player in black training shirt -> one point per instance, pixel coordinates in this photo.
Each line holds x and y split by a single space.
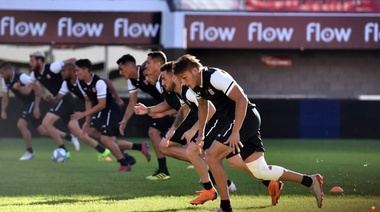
99 100
136 79
48 75
71 84
242 133
30 94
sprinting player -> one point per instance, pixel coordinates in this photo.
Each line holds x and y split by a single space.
99 100
30 95
137 80
242 133
71 84
49 76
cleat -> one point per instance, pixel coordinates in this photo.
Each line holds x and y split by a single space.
126 168
75 142
27 156
145 150
232 187
221 210
191 166
204 196
274 189
130 159
316 188
68 154
104 155
158 176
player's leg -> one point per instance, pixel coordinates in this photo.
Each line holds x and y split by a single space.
22 125
143 147
173 149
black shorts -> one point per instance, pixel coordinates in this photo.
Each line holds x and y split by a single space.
162 124
65 108
27 115
249 133
108 120
188 123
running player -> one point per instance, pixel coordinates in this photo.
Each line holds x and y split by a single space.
242 133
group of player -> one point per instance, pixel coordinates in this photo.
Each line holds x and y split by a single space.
202 116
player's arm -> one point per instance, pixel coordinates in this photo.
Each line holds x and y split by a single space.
181 116
4 103
241 103
37 100
112 89
62 92
56 67
202 117
25 84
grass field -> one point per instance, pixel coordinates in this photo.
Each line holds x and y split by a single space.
84 184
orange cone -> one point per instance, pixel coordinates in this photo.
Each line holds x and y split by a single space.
336 189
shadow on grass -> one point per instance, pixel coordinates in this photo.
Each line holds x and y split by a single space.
57 202
190 208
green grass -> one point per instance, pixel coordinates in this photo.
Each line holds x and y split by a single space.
84 184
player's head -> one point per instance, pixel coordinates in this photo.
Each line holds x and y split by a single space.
36 60
186 68
167 75
6 70
126 65
154 62
83 68
68 71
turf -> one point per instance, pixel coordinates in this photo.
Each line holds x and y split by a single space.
84 184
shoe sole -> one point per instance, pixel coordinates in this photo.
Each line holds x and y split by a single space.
147 153
274 192
201 203
319 179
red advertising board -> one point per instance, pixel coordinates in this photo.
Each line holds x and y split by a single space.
283 32
112 28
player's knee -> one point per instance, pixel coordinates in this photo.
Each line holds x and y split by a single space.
163 147
260 170
21 124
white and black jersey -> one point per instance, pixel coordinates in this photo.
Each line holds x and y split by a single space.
23 79
216 86
187 96
67 87
96 89
50 77
140 83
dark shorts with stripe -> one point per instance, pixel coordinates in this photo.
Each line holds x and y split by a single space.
249 133
162 124
188 123
107 120
65 108
27 115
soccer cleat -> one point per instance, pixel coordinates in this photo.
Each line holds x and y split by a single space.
68 154
316 188
159 176
145 150
274 189
27 156
126 168
204 196
104 155
130 159
221 210
75 142
232 187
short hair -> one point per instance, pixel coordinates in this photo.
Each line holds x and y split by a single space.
84 63
6 66
158 55
186 63
69 65
126 59
168 67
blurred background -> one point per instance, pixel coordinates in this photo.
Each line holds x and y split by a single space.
311 66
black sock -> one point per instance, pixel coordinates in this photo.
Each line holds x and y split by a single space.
162 165
68 136
207 186
100 148
63 147
228 182
226 205
211 177
307 181
136 146
265 182
123 162
30 149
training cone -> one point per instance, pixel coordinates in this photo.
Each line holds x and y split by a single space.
107 159
336 189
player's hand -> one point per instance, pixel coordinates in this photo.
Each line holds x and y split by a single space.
17 86
36 112
122 125
199 141
234 142
48 98
3 115
77 116
140 109
120 102
169 136
188 135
